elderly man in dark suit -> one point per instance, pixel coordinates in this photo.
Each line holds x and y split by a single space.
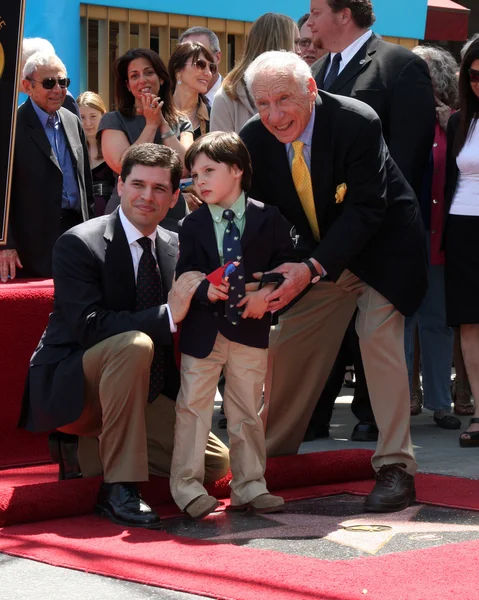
396 84
104 368
322 160
51 180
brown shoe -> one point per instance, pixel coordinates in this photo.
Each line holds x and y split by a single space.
264 503
393 491
202 506
416 403
463 405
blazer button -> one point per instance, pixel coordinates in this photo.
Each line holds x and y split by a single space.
215 314
434 201
433 231
434 145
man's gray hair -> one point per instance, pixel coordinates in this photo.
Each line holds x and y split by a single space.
278 62
41 59
31 46
466 46
211 35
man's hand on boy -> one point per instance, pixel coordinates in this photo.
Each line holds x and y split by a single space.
181 293
255 303
219 292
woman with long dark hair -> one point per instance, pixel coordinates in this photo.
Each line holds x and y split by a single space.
145 111
191 67
461 240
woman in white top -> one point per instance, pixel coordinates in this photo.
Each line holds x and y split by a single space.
233 105
461 240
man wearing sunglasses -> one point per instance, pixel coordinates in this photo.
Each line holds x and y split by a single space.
51 180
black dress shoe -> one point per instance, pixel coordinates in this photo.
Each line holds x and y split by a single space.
447 421
365 432
394 490
314 433
63 449
123 504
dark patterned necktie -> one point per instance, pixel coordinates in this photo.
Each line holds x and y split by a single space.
149 293
333 72
232 251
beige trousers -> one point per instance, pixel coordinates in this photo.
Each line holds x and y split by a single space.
244 368
302 351
121 435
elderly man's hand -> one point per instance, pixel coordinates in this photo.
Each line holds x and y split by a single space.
181 293
297 277
9 262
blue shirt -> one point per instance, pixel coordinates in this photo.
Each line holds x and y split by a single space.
307 138
53 128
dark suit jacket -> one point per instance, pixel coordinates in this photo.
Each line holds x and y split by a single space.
95 294
395 82
36 194
452 171
266 244
377 231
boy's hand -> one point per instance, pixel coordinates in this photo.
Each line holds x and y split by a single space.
255 303
219 292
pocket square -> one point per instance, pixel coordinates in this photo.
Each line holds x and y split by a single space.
340 192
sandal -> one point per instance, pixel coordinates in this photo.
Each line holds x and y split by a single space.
473 440
416 403
461 396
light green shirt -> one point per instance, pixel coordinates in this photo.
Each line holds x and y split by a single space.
220 224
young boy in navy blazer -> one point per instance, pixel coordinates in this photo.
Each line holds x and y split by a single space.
226 327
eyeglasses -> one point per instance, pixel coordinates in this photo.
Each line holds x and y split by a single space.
200 65
305 42
474 76
50 82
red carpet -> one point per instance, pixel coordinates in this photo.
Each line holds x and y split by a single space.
226 571
24 309
34 494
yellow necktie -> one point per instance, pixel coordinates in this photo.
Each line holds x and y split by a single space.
304 187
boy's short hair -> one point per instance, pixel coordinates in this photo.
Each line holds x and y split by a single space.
222 147
153 155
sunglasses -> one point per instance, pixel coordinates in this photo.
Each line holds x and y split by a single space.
50 82
200 65
474 75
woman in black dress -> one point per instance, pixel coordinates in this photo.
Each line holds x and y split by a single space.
461 240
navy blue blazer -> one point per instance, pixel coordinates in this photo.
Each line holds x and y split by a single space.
266 244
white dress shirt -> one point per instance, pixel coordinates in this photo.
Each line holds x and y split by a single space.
348 53
212 93
132 235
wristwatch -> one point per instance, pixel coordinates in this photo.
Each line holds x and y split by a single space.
315 276
168 134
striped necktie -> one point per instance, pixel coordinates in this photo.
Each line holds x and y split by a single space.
302 183
333 72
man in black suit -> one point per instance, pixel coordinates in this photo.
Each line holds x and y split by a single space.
322 160
104 368
396 84
52 186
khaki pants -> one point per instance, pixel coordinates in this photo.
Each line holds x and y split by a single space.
121 435
303 348
244 369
